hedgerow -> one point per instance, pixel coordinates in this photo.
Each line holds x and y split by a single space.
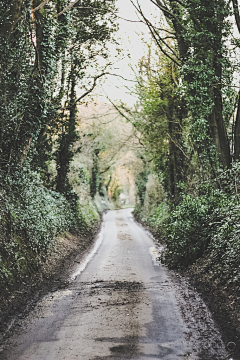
203 228
31 218
188 230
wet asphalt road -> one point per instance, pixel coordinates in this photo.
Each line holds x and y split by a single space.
121 304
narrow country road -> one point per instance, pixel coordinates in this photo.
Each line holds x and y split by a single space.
120 304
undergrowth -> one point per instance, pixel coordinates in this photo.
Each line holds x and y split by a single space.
204 227
31 216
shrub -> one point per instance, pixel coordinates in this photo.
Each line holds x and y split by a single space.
31 218
157 220
207 224
187 229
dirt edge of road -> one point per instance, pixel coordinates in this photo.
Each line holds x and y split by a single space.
68 251
223 304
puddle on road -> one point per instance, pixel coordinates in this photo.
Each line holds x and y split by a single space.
155 253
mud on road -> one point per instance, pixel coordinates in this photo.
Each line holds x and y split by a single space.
119 303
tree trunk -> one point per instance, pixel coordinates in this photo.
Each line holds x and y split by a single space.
216 122
37 17
68 137
237 133
94 185
182 47
224 151
172 155
221 138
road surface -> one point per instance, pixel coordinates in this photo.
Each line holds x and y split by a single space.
120 304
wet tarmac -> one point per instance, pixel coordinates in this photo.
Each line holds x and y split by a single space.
121 303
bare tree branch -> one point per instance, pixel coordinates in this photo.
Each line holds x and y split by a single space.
93 86
160 46
125 117
70 6
112 157
164 42
91 7
178 147
156 36
88 91
40 6
122 77
165 10
67 8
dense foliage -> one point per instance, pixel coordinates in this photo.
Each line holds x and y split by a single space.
188 116
47 50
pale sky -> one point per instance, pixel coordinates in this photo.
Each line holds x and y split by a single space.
129 34
133 48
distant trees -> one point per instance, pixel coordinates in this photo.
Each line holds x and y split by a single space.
109 149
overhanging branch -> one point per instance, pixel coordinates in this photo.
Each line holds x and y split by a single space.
70 6
40 6
156 36
86 92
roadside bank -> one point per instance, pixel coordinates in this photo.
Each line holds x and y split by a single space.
52 275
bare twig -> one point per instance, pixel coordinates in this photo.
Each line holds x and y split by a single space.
122 77
120 17
178 147
70 6
156 36
40 6
86 92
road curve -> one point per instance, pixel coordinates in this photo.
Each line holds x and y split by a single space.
121 304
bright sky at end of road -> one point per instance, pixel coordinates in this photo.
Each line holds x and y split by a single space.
130 36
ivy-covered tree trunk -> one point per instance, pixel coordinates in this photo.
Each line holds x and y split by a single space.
66 141
141 185
237 132
219 132
221 137
237 120
94 184
38 18
205 45
37 87
172 151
